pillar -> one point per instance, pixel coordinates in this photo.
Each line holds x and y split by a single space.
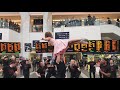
47 25
47 21
25 30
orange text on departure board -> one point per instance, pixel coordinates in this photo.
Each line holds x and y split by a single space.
16 47
98 46
38 46
3 47
77 47
91 45
107 45
44 45
10 47
114 45
84 47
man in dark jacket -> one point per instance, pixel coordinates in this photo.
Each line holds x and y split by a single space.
26 69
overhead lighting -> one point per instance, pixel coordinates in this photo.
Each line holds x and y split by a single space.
58 20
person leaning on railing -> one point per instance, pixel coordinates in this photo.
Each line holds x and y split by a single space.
118 23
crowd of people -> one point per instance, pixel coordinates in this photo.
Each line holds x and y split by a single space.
118 23
5 23
108 68
90 20
12 67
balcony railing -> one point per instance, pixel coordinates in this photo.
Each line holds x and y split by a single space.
12 26
85 22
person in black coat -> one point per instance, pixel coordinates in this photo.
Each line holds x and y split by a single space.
41 70
61 68
26 69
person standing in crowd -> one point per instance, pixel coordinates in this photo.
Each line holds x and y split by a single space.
26 69
41 70
0 61
80 21
1 23
10 71
105 70
114 69
6 23
37 62
74 69
109 21
81 64
21 67
34 62
60 46
50 69
5 61
92 70
118 22
89 19
85 64
61 68
85 22
10 24
101 67
93 20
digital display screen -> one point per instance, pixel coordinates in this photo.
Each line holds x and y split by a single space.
91 46
62 35
44 46
50 48
99 46
76 47
94 46
34 42
10 47
38 47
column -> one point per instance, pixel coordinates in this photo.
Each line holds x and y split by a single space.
47 21
25 30
47 25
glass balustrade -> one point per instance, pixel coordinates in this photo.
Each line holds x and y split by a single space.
85 22
4 23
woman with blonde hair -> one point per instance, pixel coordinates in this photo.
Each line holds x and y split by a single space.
74 69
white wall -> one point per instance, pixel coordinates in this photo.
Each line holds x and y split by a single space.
110 29
14 36
36 36
5 35
88 32
9 35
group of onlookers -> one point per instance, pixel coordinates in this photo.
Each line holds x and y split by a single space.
12 67
5 23
90 20
107 68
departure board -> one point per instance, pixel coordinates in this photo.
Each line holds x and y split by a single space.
93 46
10 47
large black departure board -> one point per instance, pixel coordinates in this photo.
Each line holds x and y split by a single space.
94 46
